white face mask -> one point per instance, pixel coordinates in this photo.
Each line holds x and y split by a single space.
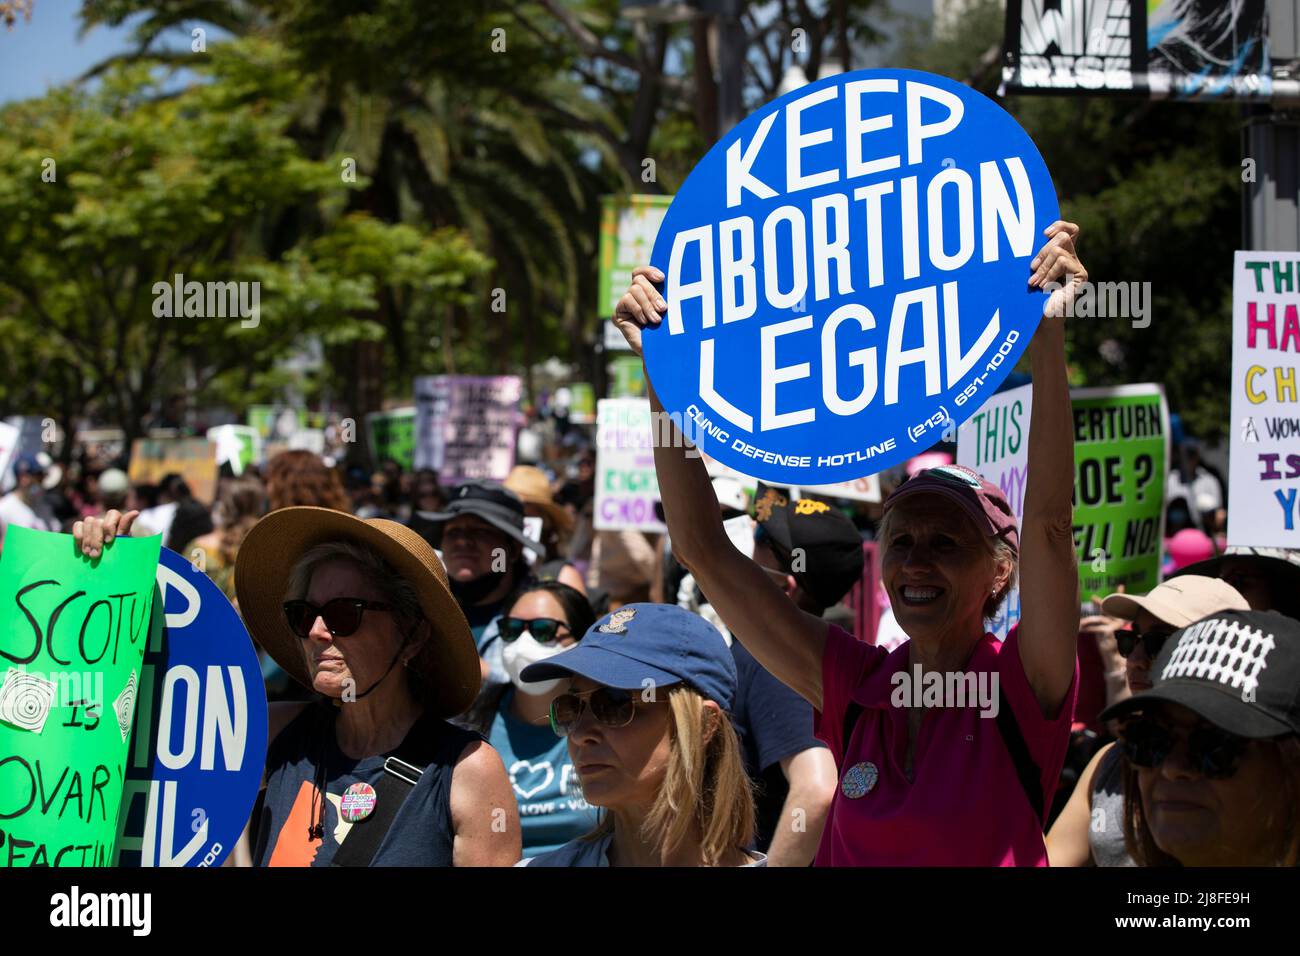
523 651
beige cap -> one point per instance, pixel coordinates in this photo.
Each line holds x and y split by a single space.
1178 601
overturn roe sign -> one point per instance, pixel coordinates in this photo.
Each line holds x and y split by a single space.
847 275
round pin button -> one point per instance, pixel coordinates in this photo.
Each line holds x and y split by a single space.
358 802
859 779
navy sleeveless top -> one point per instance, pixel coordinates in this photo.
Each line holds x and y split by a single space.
421 833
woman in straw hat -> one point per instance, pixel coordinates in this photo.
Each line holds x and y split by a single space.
371 773
534 490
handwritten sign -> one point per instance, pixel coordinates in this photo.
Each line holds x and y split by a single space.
1121 450
846 275
199 745
392 436
627 488
995 443
466 425
72 642
194 459
1264 468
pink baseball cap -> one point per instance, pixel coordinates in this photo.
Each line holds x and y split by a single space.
979 498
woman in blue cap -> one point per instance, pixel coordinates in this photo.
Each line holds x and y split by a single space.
645 714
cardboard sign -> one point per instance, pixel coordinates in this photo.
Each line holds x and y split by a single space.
627 488
1121 450
72 641
392 435
466 425
194 459
1264 467
199 745
628 226
846 275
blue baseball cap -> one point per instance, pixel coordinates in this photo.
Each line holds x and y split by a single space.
658 642
28 464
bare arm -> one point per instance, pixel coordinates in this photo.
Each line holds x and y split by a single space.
1067 841
1049 576
785 640
484 814
812 778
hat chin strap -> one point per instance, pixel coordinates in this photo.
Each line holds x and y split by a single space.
384 676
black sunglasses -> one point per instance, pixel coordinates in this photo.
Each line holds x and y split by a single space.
610 706
543 629
1213 751
1127 639
342 615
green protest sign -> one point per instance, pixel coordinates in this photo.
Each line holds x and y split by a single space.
392 435
1121 450
627 376
72 639
628 227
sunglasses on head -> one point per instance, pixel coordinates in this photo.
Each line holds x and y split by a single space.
1147 742
1127 639
342 615
543 629
610 706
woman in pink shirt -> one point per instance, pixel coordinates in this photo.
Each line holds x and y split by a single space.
950 747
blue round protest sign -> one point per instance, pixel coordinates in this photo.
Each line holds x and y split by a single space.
847 275
199 742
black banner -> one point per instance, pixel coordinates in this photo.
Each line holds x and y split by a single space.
1176 49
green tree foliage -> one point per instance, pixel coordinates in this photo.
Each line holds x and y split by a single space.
105 194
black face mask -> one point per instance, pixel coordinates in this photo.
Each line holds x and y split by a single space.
469 593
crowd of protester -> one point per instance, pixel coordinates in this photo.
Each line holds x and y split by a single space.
560 695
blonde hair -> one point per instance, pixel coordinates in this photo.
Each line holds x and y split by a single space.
996 547
705 785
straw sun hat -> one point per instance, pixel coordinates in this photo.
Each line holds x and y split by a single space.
533 488
447 665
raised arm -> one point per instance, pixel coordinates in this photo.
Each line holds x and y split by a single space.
1049 579
784 639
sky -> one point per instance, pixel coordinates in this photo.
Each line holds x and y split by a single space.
46 52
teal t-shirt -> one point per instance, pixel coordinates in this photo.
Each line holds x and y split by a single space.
552 810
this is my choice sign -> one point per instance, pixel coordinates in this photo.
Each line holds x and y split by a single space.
846 274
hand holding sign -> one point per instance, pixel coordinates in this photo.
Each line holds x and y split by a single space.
640 305
1055 261
844 275
94 534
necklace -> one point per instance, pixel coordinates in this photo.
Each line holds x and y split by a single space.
316 824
